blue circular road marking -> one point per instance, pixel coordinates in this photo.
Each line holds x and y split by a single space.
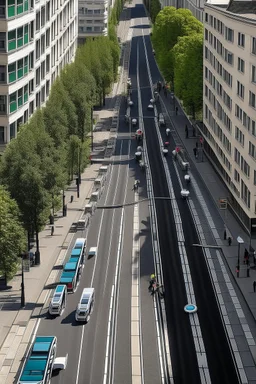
190 308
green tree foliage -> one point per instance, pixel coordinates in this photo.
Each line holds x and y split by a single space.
12 235
155 8
170 24
188 69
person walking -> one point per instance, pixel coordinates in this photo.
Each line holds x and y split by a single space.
229 240
254 286
195 152
186 131
176 110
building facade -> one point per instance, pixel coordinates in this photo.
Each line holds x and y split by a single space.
92 18
195 6
230 100
37 39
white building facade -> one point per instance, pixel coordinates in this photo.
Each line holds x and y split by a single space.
37 38
195 6
230 101
92 19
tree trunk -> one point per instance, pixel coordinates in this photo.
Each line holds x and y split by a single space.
37 253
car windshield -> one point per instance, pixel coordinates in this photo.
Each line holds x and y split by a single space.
85 300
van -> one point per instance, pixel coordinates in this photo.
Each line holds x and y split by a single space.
58 301
161 120
85 306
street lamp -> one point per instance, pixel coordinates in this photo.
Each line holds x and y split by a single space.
63 203
22 297
240 241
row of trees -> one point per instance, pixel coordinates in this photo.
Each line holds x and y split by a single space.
178 42
54 144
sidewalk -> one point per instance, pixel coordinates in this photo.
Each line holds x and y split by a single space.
217 190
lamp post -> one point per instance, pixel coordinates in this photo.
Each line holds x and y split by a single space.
63 203
22 297
240 241
92 128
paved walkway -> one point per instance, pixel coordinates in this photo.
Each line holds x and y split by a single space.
217 190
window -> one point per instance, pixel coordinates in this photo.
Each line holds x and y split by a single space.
12 131
252 100
228 57
236 176
254 45
252 150
254 178
241 39
237 156
253 74
37 77
206 34
2 73
37 49
11 40
12 102
206 17
229 34
240 65
239 136
2 105
20 98
239 113
240 90
245 167
2 135
20 68
245 194
37 21
11 72
19 37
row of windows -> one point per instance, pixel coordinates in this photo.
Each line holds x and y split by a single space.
17 38
82 21
217 45
229 33
227 77
87 11
17 7
91 29
244 166
225 97
218 132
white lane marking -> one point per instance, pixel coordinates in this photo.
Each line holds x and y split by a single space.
161 326
136 342
194 320
80 355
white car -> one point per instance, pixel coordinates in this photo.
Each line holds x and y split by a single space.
150 107
60 363
134 122
130 103
92 252
85 305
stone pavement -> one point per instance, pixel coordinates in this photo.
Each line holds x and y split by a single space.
224 218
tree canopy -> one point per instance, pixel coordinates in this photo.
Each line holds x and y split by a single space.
12 235
178 42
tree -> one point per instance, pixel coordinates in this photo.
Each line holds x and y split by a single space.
12 235
170 24
155 8
188 79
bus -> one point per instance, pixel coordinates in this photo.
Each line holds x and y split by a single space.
39 362
72 269
58 301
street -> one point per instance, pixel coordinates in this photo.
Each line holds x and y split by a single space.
133 337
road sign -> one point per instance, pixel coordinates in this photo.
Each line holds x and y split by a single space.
223 203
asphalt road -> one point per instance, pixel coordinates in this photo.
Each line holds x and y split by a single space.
220 361
86 344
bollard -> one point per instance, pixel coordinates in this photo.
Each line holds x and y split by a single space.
248 271
225 234
71 199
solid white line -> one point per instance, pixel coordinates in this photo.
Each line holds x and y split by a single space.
80 355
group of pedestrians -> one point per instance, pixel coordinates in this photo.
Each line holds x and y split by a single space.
161 86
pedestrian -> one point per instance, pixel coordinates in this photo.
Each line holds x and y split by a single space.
225 234
195 152
186 131
229 240
194 131
151 283
52 230
176 110
254 286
